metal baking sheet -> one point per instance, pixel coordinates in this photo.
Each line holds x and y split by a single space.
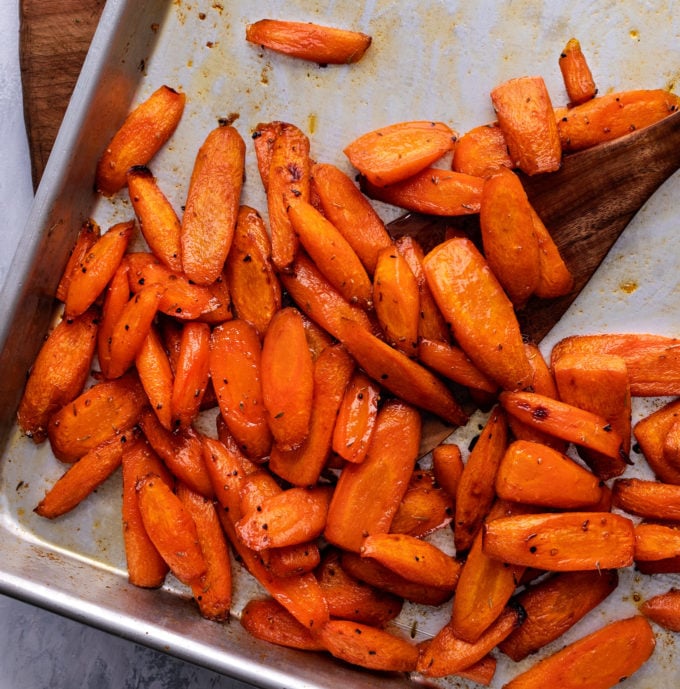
434 60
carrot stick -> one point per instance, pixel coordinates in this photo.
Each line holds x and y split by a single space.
648 499
447 465
655 542
89 233
664 609
577 77
481 151
651 432
156 376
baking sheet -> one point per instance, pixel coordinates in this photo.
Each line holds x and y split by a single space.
429 60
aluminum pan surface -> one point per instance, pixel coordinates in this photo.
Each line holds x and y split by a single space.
429 60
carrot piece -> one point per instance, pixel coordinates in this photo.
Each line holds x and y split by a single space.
447 465
596 661
302 466
264 137
157 218
58 373
227 469
83 477
577 77
536 474
103 411
400 375
424 508
656 542
268 620
434 191
146 567
651 432
481 151
481 672
671 446
648 499
554 277
446 654
287 379
368 647
527 120
293 559
257 486
664 609
143 133
508 236
253 285
553 606
348 209
396 300
181 451
350 599
236 373
374 574
97 268
413 559
131 328
652 361
156 377
562 542
317 338
309 41
613 115
397 151
475 493
565 421
89 233
289 177
115 300
213 591
384 473
356 418
461 281
332 253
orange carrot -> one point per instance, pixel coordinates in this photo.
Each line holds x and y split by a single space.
577 77
651 432
655 542
447 465
664 609
89 233
155 374
648 499
481 151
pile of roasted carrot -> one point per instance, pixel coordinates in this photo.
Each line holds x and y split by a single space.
321 341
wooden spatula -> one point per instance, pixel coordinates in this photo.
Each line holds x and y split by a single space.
586 205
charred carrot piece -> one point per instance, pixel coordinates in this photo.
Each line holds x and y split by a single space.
83 477
595 661
562 542
58 373
348 209
145 566
554 277
651 433
508 237
213 591
400 150
434 191
613 115
103 411
565 421
446 654
576 74
655 542
96 269
649 499
527 120
385 472
461 280
143 133
264 137
447 465
476 486
350 599
253 285
287 379
303 466
309 41
157 218
89 233
481 151
181 451
664 609
332 253
553 606
156 376
536 474
236 373
268 620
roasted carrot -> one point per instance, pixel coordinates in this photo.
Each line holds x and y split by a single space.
553 606
481 151
461 281
264 137
671 446
651 432
655 542
58 373
83 477
157 218
562 542
447 465
226 468
596 661
143 133
309 41
577 77
664 609
156 377
398 151
527 120
89 233
554 276
648 499
293 560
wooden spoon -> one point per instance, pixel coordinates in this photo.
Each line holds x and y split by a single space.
586 205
